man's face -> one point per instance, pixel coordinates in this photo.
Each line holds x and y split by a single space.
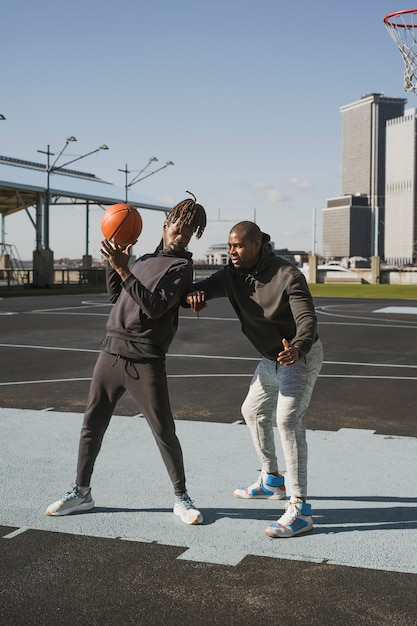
244 253
175 237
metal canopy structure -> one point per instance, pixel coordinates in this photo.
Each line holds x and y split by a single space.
24 184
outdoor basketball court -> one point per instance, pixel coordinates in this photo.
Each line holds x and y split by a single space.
362 435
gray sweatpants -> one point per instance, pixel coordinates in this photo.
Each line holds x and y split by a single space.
147 384
283 393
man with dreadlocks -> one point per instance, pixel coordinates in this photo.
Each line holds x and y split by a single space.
141 326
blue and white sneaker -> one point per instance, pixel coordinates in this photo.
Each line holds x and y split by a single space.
297 519
267 487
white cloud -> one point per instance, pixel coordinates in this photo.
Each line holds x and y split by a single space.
299 185
271 194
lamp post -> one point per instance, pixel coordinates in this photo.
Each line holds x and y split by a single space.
138 177
53 168
3 234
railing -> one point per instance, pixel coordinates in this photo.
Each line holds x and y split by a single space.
11 278
72 277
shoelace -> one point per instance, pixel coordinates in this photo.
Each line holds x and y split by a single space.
290 514
70 495
185 501
258 483
73 494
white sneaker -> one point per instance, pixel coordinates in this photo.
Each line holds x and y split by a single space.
185 509
297 519
71 502
268 487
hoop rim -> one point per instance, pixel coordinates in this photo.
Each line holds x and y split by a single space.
397 14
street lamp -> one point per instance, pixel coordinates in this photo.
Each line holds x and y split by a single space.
53 168
137 178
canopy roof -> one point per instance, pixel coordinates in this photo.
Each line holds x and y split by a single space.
22 183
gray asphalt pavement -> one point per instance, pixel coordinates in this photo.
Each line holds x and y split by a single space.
131 561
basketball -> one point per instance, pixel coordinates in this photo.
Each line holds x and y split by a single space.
121 224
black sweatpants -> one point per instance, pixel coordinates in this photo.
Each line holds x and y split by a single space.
147 384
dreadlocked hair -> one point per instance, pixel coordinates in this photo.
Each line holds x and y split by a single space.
189 213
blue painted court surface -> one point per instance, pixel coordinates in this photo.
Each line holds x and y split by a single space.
364 517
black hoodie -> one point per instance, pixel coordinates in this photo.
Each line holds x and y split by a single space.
146 304
272 302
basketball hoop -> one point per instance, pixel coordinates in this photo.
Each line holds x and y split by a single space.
402 26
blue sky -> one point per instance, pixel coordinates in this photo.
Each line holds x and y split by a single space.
244 97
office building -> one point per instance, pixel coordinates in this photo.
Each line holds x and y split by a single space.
363 176
401 190
347 227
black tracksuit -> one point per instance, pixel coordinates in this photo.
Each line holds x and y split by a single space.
139 331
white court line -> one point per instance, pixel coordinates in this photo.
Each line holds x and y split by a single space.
320 376
80 313
205 376
368 377
325 311
47 380
29 347
72 380
394 323
15 533
207 356
70 308
402 310
390 365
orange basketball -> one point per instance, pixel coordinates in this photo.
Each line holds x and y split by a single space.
121 223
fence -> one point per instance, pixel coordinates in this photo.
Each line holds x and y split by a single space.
96 277
77 277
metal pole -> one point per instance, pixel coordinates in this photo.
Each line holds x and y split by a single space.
376 231
3 233
87 226
313 248
126 172
47 199
46 207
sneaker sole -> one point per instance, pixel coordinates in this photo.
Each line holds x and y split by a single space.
260 497
87 506
282 536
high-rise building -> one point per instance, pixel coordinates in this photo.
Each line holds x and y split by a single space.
363 176
347 227
401 189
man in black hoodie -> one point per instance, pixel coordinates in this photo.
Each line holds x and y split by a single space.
272 300
141 326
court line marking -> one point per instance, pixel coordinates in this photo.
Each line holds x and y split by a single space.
208 356
65 311
15 533
393 325
325 311
400 310
72 380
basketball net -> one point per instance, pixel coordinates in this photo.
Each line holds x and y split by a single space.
402 27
